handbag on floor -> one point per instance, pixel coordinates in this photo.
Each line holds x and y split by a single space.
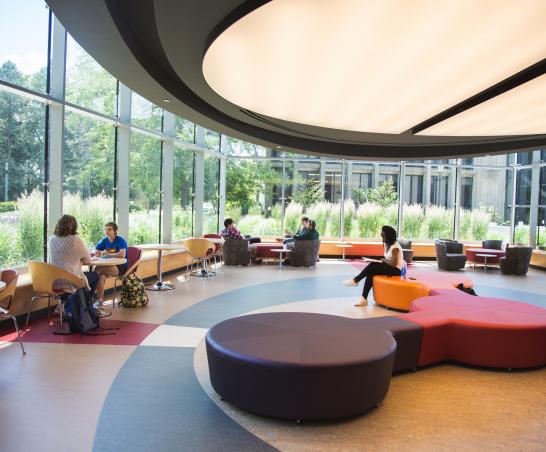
133 292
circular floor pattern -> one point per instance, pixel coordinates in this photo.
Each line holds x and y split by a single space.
157 401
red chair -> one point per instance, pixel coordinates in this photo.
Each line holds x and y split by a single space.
9 277
133 259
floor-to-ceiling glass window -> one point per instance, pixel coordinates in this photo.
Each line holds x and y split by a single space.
541 226
185 130
22 126
212 140
89 168
144 194
211 195
523 206
483 214
183 194
87 83
251 201
145 114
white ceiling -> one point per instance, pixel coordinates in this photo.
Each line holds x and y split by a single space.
382 66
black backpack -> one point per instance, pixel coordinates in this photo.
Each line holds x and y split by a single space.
81 315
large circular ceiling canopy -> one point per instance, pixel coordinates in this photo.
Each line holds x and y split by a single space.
358 79
374 66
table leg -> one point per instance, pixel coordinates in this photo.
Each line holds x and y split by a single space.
280 260
343 253
160 285
485 264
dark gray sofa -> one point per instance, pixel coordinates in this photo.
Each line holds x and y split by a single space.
449 254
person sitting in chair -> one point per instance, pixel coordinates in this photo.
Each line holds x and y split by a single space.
290 237
111 245
309 233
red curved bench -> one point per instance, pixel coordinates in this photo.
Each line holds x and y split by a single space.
481 331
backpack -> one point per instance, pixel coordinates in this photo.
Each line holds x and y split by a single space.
80 312
133 293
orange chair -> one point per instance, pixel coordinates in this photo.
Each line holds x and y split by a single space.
43 276
9 277
201 249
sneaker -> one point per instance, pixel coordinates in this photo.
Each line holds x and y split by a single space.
98 304
363 302
349 282
100 312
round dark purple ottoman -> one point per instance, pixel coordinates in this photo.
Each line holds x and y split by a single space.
302 366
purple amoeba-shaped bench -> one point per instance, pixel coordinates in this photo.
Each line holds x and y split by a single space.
304 366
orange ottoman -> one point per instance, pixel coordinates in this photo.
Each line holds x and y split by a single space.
397 293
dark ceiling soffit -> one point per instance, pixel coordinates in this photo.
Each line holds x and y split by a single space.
521 77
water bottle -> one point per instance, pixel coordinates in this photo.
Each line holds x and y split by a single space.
403 270
91 249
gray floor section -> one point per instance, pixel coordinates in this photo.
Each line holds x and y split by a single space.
511 294
157 404
231 304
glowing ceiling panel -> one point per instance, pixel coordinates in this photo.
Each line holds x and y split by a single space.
372 66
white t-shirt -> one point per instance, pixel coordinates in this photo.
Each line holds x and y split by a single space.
68 253
389 257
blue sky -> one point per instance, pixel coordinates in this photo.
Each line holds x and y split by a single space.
23 29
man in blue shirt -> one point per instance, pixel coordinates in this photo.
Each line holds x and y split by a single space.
111 245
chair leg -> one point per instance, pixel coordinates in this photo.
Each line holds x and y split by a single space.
30 303
115 288
48 308
18 333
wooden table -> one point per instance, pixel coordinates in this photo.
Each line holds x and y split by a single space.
160 247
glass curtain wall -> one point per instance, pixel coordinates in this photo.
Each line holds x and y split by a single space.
144 194
22 133
183 188
211 195
89 168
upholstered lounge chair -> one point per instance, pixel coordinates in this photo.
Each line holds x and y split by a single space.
449 255
236 252
492 244
305 253
516 261
406 249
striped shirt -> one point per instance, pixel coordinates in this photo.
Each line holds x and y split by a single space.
68 253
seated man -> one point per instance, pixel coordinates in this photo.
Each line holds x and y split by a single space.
310 233
112 245
230 232
289 237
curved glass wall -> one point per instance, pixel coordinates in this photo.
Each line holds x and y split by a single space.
111 145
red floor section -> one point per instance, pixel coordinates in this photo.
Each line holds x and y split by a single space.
129 333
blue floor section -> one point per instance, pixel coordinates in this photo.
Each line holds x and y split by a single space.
157 404
231 304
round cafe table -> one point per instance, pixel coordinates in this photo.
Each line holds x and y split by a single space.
493 256
281 251
160 247
107 261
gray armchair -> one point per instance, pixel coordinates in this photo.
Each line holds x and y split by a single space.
305 253
406 250
236 252
492 244
449 255
516 261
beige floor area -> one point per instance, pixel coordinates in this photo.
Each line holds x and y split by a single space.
445 407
